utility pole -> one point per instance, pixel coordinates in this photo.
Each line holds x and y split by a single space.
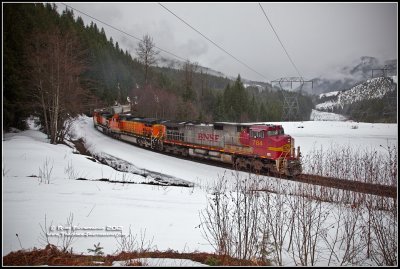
291 109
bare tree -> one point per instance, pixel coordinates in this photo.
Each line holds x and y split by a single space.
55 62
68 238
382 226
131 242
371 166
154 102
278 222
246 216
351 244
231 221
147 54
331 235
309 221
216 220
67 233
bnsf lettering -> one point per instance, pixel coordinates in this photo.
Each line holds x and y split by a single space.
208 137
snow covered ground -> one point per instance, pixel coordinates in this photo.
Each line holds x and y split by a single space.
159 262
326 116
326 134
167 217
328 94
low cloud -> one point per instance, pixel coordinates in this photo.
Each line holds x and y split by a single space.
193 48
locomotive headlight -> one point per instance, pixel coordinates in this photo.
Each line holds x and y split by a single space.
288 140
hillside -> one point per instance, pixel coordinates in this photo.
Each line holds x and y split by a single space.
103 74
345 77
374 99
326 116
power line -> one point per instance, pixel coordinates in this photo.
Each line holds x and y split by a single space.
170 53
290 59
212 41
115 28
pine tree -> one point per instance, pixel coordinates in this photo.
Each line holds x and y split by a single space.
219 111
253 109
263 113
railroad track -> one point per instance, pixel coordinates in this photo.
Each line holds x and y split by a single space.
338 183
344 184
351 185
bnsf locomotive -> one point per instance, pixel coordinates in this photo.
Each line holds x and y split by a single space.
257 147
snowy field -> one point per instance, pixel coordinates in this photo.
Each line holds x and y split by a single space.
166 217
326 134
326 116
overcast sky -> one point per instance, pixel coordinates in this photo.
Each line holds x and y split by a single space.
319 37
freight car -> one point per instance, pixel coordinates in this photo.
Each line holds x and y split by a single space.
256 147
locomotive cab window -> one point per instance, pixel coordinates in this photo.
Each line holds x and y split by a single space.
255 134
272 133
275 132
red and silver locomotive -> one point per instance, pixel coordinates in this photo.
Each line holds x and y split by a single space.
257 147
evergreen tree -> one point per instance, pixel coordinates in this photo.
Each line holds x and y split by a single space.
253 113
228 103
238 101
188 92
263 115
219 109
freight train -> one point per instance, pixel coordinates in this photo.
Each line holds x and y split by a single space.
254 147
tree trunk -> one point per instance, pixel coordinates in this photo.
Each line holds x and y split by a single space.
46 122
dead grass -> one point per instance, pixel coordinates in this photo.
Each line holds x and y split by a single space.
52 256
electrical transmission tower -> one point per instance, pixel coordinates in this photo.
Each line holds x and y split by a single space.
291 109
391 101
390 97
384 71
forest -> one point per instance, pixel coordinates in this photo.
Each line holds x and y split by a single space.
56 67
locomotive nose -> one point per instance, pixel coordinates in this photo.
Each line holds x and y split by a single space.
285 138
286 142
